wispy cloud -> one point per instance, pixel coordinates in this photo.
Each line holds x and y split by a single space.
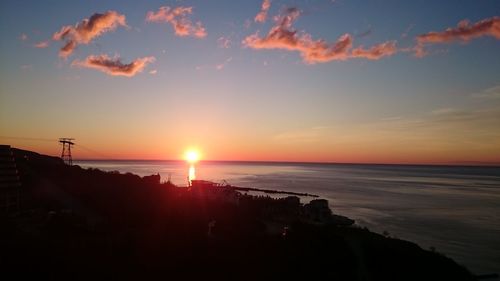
178 18
283 36
42 44
114 66
490 93
221 66
88 29
264 9
463 32
218 66
224 42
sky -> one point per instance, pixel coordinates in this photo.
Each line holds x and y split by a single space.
379 81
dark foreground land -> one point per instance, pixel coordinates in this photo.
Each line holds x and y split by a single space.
77 224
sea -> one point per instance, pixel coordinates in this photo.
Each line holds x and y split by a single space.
454 210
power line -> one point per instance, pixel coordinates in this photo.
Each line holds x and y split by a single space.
93 151
28 139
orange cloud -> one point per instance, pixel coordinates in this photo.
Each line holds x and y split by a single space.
262 15
42 44
376 52
283 36
85 31
114 66
178 18
465 31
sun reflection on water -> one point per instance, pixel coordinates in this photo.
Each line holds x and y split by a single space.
191 173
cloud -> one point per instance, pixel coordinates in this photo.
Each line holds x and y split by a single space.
114 66
452 114
42 44
462 116
178 18
283 36
23 37
218 66
464 32
88 29
491 93
222 65
153 72
224 42
262 15
376 52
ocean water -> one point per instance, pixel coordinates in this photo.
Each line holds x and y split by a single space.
454 209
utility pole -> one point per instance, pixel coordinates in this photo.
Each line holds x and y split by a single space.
66 150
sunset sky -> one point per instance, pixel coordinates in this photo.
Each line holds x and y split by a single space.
374 81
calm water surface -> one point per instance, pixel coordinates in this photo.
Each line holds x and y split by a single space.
454 209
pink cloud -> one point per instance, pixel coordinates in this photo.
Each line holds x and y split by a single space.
464 32
376 52
262 15
114 66
178 18
88 29
283 36
42 44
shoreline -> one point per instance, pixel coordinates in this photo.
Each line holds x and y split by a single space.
90 184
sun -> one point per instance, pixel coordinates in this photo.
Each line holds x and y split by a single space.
192 156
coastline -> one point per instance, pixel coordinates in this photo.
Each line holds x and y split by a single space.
359 251
448 209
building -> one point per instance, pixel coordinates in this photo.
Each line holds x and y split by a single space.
318 211
10 183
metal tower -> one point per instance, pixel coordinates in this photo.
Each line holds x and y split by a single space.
66 150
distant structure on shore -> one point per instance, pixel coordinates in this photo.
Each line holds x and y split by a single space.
66 150
10 183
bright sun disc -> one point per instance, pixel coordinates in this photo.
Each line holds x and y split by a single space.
192 156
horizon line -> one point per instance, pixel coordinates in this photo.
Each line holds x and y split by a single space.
455 163
469 163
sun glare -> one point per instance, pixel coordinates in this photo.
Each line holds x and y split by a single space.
192 156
